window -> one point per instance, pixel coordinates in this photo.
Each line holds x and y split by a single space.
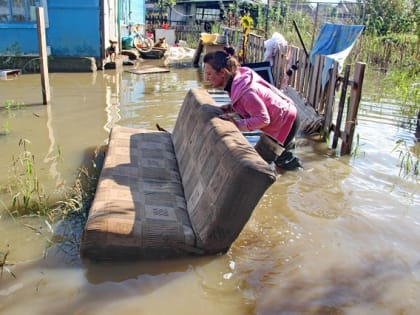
19 11
204 14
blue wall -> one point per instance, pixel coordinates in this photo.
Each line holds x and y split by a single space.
73 30
137 8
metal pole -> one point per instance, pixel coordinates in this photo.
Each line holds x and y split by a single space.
300 38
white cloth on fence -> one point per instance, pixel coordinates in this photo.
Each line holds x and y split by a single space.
272 45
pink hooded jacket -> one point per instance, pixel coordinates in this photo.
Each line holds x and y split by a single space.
261 106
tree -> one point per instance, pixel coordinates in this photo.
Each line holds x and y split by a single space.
163 6
388 16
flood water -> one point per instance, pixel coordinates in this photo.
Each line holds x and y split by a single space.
340 236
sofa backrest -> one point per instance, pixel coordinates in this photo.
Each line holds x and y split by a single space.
223 176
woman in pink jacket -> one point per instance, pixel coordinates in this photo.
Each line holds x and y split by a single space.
260 106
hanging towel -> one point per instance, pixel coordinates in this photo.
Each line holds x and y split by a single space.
335 41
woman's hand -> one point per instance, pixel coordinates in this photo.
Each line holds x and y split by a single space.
227 108
227 117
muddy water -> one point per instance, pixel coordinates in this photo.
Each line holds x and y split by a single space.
339 237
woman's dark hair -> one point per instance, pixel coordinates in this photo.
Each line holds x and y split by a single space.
222 59
229 50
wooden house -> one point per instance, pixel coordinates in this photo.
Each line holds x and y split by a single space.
77 31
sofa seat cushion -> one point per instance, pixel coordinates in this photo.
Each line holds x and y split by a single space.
139 207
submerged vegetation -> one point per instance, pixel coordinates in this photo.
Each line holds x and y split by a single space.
409 158
63 219
28 195
404 84
4 265
9 106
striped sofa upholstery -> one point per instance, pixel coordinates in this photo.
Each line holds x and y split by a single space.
164 194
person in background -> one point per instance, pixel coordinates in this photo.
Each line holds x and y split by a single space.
258 106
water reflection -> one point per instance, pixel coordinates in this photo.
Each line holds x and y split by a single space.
339 237
112 99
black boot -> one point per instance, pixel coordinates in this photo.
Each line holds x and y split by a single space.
288 161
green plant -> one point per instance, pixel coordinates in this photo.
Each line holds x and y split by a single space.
10 106
409 159
28 195
191 39
3 264
403 84
72 212
356 151
6 127
64 219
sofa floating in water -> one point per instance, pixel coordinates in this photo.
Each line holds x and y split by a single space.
164 194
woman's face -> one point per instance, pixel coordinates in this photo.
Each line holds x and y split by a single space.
217 79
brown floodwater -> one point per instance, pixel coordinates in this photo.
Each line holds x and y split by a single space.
340 236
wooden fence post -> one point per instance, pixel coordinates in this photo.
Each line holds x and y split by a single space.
43 61
301 71
341 104
355 96
330 102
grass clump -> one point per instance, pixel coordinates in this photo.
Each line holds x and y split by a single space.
64 219
9 106
4 265
28 195
72 211
409 159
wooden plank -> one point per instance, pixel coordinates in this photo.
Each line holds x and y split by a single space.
301 70
330 102
148 70
276 68
293 57
355 96
341 106
282 76
317 103
197 54
313 81
307 80
43 61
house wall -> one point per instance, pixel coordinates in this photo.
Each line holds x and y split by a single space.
72 30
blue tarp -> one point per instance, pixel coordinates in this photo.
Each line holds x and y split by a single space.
335 41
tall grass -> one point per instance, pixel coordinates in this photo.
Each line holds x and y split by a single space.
28 195
409 159
64 219
404 84
393 50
